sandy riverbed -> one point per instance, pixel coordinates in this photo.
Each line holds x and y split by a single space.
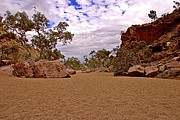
89 96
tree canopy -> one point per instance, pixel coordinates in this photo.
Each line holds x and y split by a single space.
45 39
152 15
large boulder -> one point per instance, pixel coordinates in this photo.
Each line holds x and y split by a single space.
22 69
170 73
136 70
50 69
151 71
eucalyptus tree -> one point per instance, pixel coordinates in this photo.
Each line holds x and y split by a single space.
18 23
46 39
73 63
152 15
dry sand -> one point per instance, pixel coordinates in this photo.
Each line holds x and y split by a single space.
92 96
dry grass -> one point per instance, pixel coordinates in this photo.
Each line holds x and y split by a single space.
89 97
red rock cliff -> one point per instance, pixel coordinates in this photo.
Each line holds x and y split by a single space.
151 31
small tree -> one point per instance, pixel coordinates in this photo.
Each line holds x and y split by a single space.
177 5
152 15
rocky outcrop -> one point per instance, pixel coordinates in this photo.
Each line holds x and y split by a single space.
22 69
50 69
152 31
155 46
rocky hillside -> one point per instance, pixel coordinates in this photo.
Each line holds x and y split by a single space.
161 38
12 50
163 29
152 44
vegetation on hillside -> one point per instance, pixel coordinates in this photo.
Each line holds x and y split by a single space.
44 40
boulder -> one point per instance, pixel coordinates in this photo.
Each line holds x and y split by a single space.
151 71
50 69
162 68
6 62
7 69
22 69
71 71
120 73
170 73
173 64
136 70
176 59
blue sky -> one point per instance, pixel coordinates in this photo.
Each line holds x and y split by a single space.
96 23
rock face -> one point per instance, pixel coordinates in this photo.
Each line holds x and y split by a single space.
50 69
136 70
152 31
22 69
151 71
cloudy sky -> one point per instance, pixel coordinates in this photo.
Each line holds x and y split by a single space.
97 24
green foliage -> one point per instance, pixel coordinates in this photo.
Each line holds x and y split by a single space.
97 59
46 39
73 63
18 24
152 15
125 58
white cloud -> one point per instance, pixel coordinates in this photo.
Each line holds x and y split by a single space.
96 23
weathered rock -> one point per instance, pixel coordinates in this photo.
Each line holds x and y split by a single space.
136 70
50 69
171 73
71 71
176 59
22 69
7 69
162 68
151 71
151 31
6 62
120 73
173 64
